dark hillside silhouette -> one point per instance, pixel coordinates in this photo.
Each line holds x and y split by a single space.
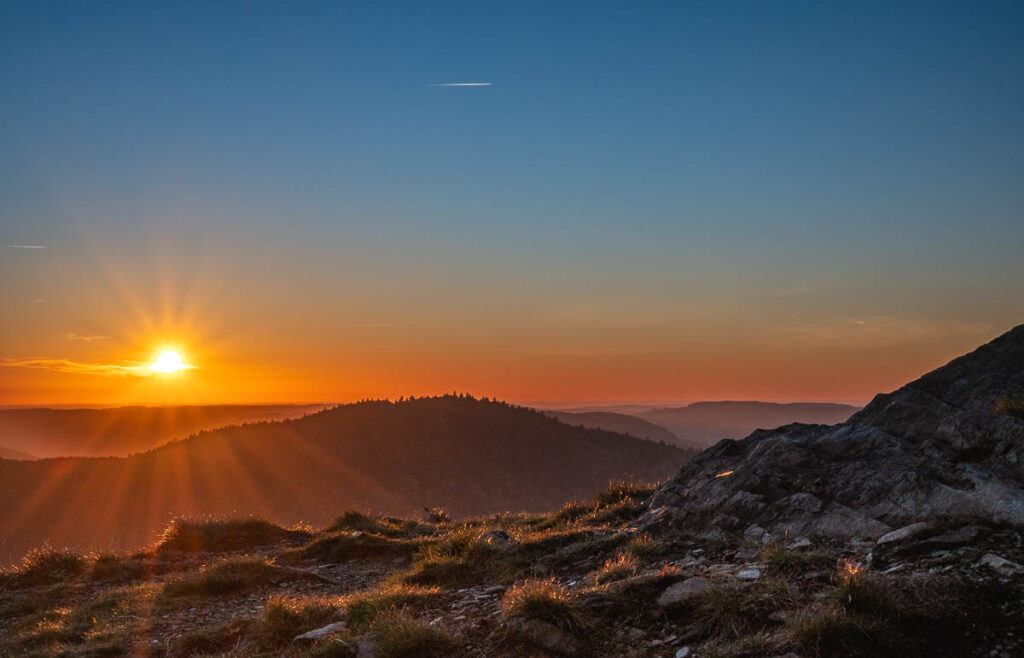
465 455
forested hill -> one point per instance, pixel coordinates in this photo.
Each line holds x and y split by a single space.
468 456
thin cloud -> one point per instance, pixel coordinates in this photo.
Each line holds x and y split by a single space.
463 84
122 369
87 339
22 246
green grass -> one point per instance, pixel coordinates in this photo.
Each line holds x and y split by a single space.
213 536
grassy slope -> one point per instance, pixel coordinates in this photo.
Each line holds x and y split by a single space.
418 588
469 456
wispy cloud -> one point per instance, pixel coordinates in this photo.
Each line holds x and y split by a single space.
22 246
86 339
123 369
462 84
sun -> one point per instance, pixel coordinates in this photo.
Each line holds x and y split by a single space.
168 361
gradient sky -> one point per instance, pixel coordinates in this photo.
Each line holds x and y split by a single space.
650 201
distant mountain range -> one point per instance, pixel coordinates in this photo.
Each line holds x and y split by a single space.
705 423
120 431
617 422
465 455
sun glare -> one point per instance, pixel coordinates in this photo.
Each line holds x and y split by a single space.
168 361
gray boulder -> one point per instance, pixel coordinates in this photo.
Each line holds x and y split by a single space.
680 593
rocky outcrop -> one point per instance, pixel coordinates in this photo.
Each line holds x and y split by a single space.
950 444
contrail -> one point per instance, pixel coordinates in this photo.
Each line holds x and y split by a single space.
22 246
463 84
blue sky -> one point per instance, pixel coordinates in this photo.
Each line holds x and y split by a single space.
807 165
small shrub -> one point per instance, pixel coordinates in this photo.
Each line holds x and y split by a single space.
283 618
616 568
399 636
213 536
546 600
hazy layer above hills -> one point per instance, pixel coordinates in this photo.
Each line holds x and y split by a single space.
618 422
705 423
120 431
467 456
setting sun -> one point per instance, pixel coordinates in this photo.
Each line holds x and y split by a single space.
168 361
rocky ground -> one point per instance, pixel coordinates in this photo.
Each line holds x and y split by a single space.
588 580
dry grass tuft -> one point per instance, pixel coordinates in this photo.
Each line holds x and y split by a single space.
547 600
732 610
616 568
112 568
283 618
46 566
626 490
363 607
399 636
